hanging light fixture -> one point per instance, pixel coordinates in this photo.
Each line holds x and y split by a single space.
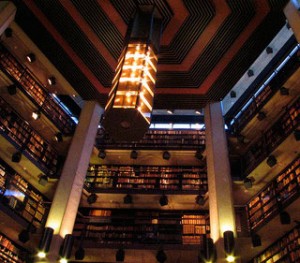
130 101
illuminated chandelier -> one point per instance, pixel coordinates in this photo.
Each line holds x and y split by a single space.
128 110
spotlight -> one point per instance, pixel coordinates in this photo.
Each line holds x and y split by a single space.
269 50
163 200
102 154
297 135
24 236
232 94
127 199
256 240
8 32
43 179
200 200
228 242
250 73
285 218
36 114
271 161
166 155
16 157
248 183
284 91
161 256
261 115
134 154
198 112
230 258
30 58
80 253
58 137
51 81
92 198
120 255
67 245
199 155
45 242
170 111
12 89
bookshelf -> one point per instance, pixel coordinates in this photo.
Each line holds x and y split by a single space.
9 252
35 91
157 139
134 227
277 194
27 140
146 178
286 249
272 137
20 196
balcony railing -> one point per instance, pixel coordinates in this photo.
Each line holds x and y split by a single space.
26 140
17 194
31 87
147 179
157 139
276 195
273 137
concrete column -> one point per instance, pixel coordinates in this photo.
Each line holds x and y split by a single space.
67 196
293 17
221 210
7 14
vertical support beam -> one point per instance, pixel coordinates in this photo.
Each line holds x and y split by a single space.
67 196
222 216
7 14
293 17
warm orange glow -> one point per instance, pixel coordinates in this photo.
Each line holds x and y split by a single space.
134 82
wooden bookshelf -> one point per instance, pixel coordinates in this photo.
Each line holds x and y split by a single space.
154 139
277 194
9 252
133 227
271 138
35 91
26 139
20 196
146 178
286 249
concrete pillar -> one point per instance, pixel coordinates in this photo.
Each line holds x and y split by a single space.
7 14
292 15
221 210
67 196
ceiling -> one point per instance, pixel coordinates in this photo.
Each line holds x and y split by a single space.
205 48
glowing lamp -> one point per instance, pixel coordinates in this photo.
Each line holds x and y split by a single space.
130 101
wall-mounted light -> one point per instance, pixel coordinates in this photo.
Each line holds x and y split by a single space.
36 114
163 200
127 199
130 101
166 155
120 255
229 245
170 111
66 248
51 81
16 157
102 154
80 253
134 154
58 137
161 256
12 89
200 200
30 57
43 179
45 242
92 198
271 160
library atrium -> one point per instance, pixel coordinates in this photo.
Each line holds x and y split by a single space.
146 131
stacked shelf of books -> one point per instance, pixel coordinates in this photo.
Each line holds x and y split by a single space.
147 177
286 249
129 227
35 91
278 193
27 139
273 137
167 139
9 252
20 195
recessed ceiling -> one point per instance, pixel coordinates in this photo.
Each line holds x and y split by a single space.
206 46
